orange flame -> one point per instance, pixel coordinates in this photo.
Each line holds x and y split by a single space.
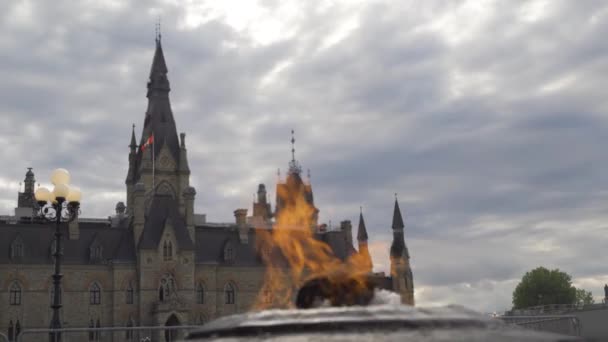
293 255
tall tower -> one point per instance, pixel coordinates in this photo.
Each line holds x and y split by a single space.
401 272
294 190
362 240
171 173
26 198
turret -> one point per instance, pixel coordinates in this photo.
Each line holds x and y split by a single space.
401 272
362 241
129 181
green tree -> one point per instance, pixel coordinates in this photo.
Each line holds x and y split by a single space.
584 297
542 286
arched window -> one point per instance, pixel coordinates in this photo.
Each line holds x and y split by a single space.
200 294
129 333
17 329
129 294
94 294
228 252
166 288
11 331
167 250
17 248
15 294
91 332
96 253
229 294
97 332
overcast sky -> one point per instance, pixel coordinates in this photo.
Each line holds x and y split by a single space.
488 118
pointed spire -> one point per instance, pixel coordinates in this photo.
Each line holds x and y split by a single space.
397 219
362 231
133 144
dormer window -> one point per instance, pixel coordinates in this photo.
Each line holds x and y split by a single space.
96 253
17 248
229 252
167 251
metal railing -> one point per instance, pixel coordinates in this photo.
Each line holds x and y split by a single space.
139 334
562 324
555 309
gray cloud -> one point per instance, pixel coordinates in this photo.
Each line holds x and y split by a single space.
488 121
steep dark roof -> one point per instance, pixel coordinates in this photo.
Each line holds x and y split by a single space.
164 208
37 239
337 241
397 219
361 232
159 119
210 242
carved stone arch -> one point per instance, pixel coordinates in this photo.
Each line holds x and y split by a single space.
165 188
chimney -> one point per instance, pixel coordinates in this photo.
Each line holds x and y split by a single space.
241 221
73 230
347 228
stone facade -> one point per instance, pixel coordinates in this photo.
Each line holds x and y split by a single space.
155 262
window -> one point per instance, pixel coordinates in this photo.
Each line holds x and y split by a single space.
91 332
17 248
229 293
200 294
17 329
129 294
97 332
228 252
15 294
167 250
11 331
166 288
96 253
94 294
129 333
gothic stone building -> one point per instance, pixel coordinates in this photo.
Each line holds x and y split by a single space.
155 262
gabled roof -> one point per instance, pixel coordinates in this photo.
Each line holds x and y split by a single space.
164 208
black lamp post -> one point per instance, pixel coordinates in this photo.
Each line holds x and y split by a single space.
60 205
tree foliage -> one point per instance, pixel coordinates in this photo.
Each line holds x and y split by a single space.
542 286
584 297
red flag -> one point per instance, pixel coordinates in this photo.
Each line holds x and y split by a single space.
148 142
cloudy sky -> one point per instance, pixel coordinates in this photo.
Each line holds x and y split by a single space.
488 118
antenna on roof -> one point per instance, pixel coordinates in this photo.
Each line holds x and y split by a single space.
157 31
293 149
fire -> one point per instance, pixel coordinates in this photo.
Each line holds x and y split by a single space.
293 255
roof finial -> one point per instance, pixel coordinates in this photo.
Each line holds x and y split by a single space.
293 149
308 175
360 209
395 196
157 31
